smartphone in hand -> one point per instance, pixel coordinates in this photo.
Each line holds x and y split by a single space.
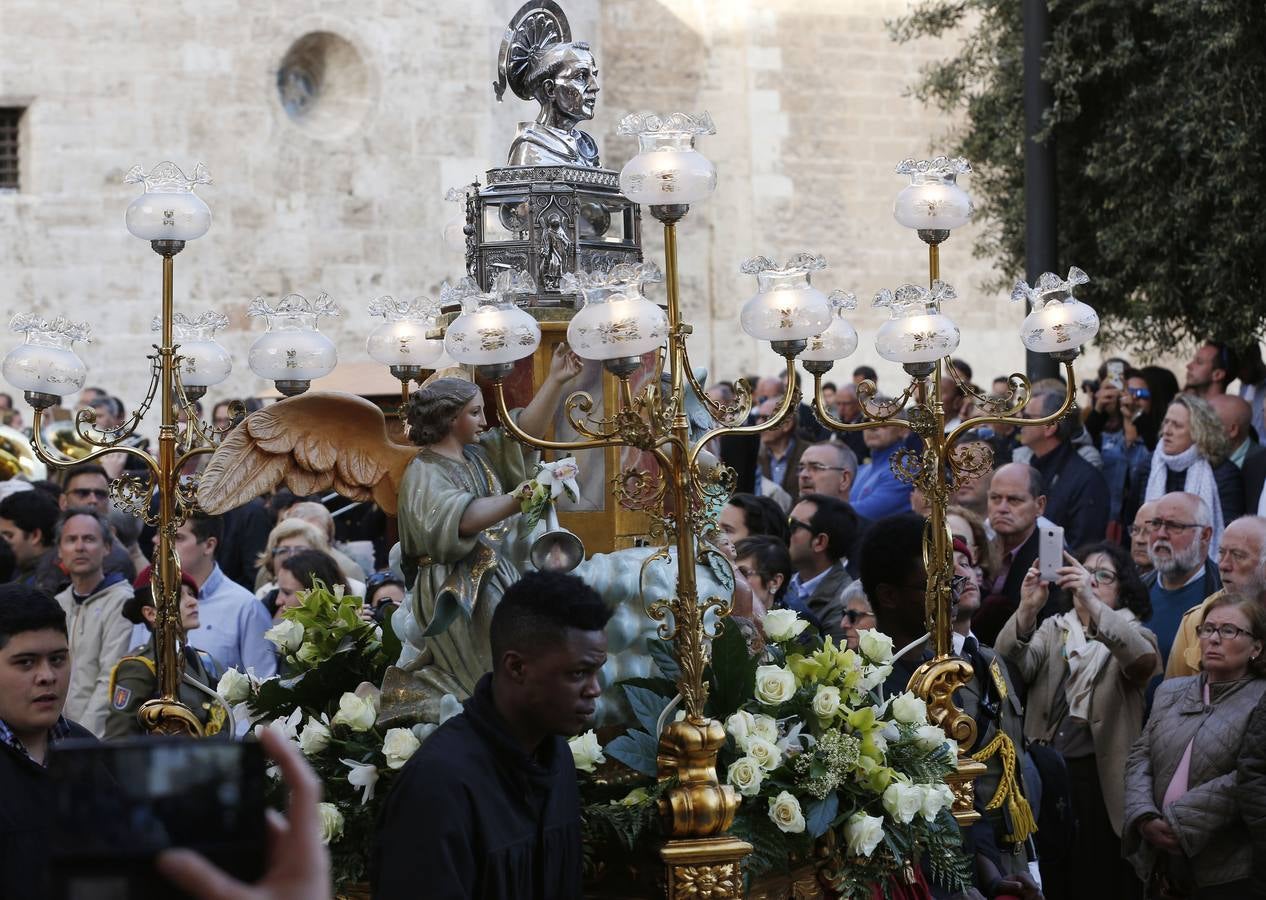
117 805
1050 551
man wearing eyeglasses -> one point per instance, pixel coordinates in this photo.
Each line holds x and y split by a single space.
823 530
87 487
827 468
1242 566
1178 544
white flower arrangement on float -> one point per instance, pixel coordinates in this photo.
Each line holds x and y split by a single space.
326 702
817 757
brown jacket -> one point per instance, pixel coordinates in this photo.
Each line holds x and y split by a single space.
1117 703
1207 819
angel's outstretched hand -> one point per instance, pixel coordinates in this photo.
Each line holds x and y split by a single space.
564 365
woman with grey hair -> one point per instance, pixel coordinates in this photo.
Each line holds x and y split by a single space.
460 541
1191 456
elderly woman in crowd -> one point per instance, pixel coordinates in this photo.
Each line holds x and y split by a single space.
1191 456
1087 671
1184 827
292 535
858 613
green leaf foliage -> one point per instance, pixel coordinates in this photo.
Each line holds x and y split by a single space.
636 749
733 672
662 654
647 706
1160 141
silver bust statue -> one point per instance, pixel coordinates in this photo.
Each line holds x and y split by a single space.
539 61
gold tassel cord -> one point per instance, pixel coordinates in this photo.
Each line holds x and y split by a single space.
1008 787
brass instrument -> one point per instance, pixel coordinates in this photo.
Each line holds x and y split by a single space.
63 438
17 457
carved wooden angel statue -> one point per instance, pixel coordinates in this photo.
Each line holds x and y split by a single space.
457 497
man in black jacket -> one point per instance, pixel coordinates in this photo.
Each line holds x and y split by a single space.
1076 492
34 678
1251 776
489 807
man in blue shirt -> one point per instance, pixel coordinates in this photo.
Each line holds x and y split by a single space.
877 492
1180 532
232 620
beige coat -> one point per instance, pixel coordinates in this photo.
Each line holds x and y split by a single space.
1208 819
99 638
1116 704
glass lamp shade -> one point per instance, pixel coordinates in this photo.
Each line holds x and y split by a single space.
491 329
46 362
617 321
169 210
786 306
840 338
293 349
667 169
454 230
917 332
401 339
1059 322
203 361
933 200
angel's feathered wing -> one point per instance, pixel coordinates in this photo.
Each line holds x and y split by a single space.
310 443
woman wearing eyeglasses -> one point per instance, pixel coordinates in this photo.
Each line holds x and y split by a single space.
1087 670
1184 827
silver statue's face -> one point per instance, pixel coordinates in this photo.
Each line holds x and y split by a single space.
576 86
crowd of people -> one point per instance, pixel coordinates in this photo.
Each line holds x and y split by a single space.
1119 707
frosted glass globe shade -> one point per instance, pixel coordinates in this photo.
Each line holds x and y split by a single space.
492 335
41 366
923 337
403 343
1058 326
935 205
617 326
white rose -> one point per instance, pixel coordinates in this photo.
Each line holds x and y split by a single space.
740 727
783 624
936 797
309 653
875 645
774 685
356 713
863 834
765 727
234 686
765 753
909 709
586 751
784 811
331 822
398 744
746 775
314 738
903 801
929 737
286 635
826 702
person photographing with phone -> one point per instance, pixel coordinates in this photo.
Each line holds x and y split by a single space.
1087 672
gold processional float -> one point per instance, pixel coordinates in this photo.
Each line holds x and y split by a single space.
546 230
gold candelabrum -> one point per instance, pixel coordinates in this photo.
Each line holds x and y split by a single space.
943 463
158 493
698 810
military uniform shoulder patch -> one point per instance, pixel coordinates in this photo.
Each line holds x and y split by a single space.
995 672
122 696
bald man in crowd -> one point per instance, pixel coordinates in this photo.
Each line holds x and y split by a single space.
1237 421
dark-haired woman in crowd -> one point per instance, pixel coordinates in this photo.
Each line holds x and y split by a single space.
766 565
1184 825
300 572
1087 670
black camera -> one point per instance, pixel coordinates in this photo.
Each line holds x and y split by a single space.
116 806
